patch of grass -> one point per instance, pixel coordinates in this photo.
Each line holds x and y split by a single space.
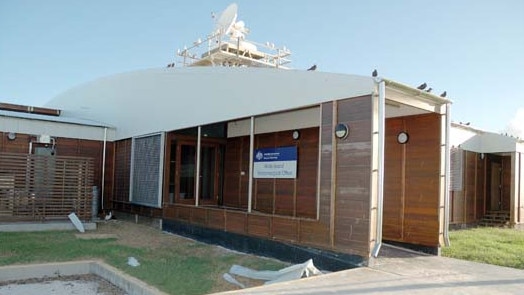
186 267
497 246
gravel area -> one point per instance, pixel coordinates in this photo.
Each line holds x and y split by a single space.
65 285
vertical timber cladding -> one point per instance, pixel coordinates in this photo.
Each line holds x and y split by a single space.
519 196
122 171
353 177
295 197
414 196
506 183
236 172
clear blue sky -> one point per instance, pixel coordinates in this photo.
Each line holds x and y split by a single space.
473 49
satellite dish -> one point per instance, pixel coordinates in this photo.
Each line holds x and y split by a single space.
227 19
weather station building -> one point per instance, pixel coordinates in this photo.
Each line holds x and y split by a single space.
232 147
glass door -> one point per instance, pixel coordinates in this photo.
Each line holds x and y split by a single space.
187 171
183 173
209 174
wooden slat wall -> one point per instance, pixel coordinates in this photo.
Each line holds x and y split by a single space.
83 148
232 175
326 206
122 171
506 183
69 147
471 204
307 182
468 205
351 234
470 185
416 208
519 194
290 197
34 187
288 229
480 208
95 150
19 145
394 184
353 180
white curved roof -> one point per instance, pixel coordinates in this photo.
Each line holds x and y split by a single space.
164 99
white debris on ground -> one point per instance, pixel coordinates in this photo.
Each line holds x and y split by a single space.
76 222
293 272
132 261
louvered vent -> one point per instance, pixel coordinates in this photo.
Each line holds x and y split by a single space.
456 169
146 170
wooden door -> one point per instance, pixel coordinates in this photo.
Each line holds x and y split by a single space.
495 186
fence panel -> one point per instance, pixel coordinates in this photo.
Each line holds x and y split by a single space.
40 188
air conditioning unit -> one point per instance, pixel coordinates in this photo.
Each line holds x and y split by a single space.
44 138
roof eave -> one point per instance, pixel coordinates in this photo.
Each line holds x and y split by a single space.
416 92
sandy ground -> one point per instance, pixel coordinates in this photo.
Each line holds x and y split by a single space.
78 285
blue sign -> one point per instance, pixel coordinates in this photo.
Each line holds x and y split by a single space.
280 162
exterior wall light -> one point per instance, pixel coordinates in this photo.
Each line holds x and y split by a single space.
296 134
341 131
11 136
402 137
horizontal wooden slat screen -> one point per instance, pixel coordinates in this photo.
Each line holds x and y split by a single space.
34 187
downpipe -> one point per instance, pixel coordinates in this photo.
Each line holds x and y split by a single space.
380 172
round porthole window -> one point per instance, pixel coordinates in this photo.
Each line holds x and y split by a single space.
341 131
402 137
296 134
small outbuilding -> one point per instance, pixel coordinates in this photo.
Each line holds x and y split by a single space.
487 183
50 164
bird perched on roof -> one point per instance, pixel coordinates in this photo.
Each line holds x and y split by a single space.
375 73
313 67
443 94
422 86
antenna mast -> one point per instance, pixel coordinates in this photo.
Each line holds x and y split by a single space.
227 46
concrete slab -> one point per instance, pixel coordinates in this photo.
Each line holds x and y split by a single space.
407 275
87 236
42 226
129 284
53 287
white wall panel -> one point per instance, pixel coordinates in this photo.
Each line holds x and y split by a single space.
55 129
298 119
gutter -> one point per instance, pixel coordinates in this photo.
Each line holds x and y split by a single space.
416 92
